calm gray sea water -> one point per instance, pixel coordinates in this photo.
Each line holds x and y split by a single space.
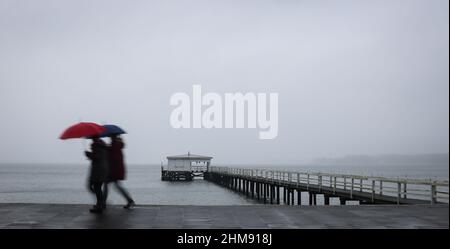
37 183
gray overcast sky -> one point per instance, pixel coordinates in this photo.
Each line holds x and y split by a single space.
353 77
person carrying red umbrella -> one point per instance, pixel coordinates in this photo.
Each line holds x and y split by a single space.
98 173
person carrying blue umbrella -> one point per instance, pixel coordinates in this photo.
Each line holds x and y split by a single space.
116 163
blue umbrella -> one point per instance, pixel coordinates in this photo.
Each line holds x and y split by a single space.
112 130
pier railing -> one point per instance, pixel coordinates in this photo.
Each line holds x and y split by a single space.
434 191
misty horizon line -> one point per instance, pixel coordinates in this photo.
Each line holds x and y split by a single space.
440 157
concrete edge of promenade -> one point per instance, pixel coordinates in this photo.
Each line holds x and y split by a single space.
77 216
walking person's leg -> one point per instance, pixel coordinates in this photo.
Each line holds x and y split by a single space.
105 194
91 188
97 187
125 194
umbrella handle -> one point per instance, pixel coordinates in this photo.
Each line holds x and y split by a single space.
84 144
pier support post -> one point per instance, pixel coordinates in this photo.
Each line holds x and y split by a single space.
404 190
310 198
284 195
289 193
373 191
315 199
381 187
258 190
334 185
271 194
264 193
293 196
433 194
261 190
274 193
252 188
278 194
289 197
351 188
246 188
326 199
299 197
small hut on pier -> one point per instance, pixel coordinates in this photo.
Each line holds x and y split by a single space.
185 167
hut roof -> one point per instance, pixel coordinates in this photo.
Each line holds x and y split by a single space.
190 156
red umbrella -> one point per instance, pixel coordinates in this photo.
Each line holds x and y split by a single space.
83 129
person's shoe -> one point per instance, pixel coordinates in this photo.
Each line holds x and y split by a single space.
130 205
96 209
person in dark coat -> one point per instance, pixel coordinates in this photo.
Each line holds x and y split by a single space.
98 172
117 169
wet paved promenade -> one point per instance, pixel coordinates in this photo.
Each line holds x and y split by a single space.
252 216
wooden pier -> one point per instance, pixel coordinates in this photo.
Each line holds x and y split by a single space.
286 187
